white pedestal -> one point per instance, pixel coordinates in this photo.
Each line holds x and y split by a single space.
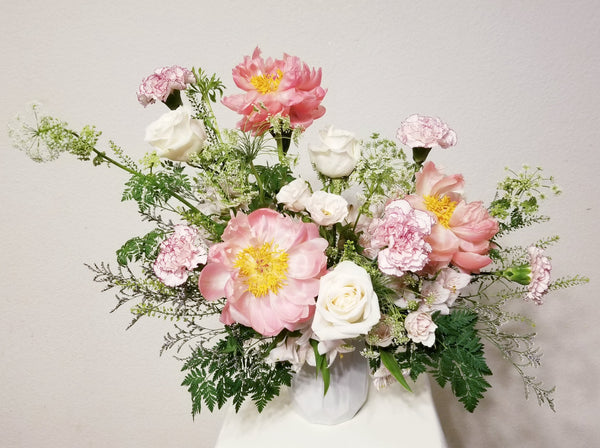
391 417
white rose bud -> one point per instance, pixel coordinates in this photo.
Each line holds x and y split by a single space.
420 328
347 306
294 195
176 135
326 208
338 154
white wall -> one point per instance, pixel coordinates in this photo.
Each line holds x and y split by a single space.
518 81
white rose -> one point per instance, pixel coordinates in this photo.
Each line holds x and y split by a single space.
420 328
347 306
338 154
326 208
294 195
176 135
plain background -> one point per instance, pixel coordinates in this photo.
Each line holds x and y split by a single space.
518 81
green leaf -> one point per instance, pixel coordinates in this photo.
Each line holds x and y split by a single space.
389 361
321 366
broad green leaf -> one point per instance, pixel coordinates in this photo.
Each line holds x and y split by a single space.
389 361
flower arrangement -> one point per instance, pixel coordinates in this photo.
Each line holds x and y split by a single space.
380 252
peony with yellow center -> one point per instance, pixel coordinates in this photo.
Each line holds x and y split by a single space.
267 267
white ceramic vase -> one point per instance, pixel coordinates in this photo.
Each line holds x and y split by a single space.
347 392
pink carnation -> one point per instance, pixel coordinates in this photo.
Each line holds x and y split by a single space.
268 268
159 85
286 87
419 131
402 231
179 254
462 232
540 275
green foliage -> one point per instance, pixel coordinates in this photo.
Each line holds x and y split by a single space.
140 248
390 362
381 171
321 365
456 358
156 189
224 173
49 137
270 179
201 94
518 197
124 158
234 369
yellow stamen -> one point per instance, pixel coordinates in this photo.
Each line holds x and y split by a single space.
263 268
442 207
267 83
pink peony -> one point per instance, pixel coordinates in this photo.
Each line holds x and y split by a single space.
286 87
159 85
402 231
463 231
540 275
419 131
268 267
179 254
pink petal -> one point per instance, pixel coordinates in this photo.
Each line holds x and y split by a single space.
213 280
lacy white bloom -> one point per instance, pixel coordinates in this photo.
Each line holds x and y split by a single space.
419 131
159 85
176 135
402 230
347 306
294 195
382 378
420 328
540 275
338 153
326 208
179 254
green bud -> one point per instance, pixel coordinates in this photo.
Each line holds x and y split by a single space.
420 154
518 274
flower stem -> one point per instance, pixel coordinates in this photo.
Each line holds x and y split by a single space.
112 161
261 190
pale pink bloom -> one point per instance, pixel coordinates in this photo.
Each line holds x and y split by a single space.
434 297
440 294
179 254
420 328
286 87
404 297
540 275
382 334
462 232
382 378
402 231
420 131
268 267
293 350
159 85
454 282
